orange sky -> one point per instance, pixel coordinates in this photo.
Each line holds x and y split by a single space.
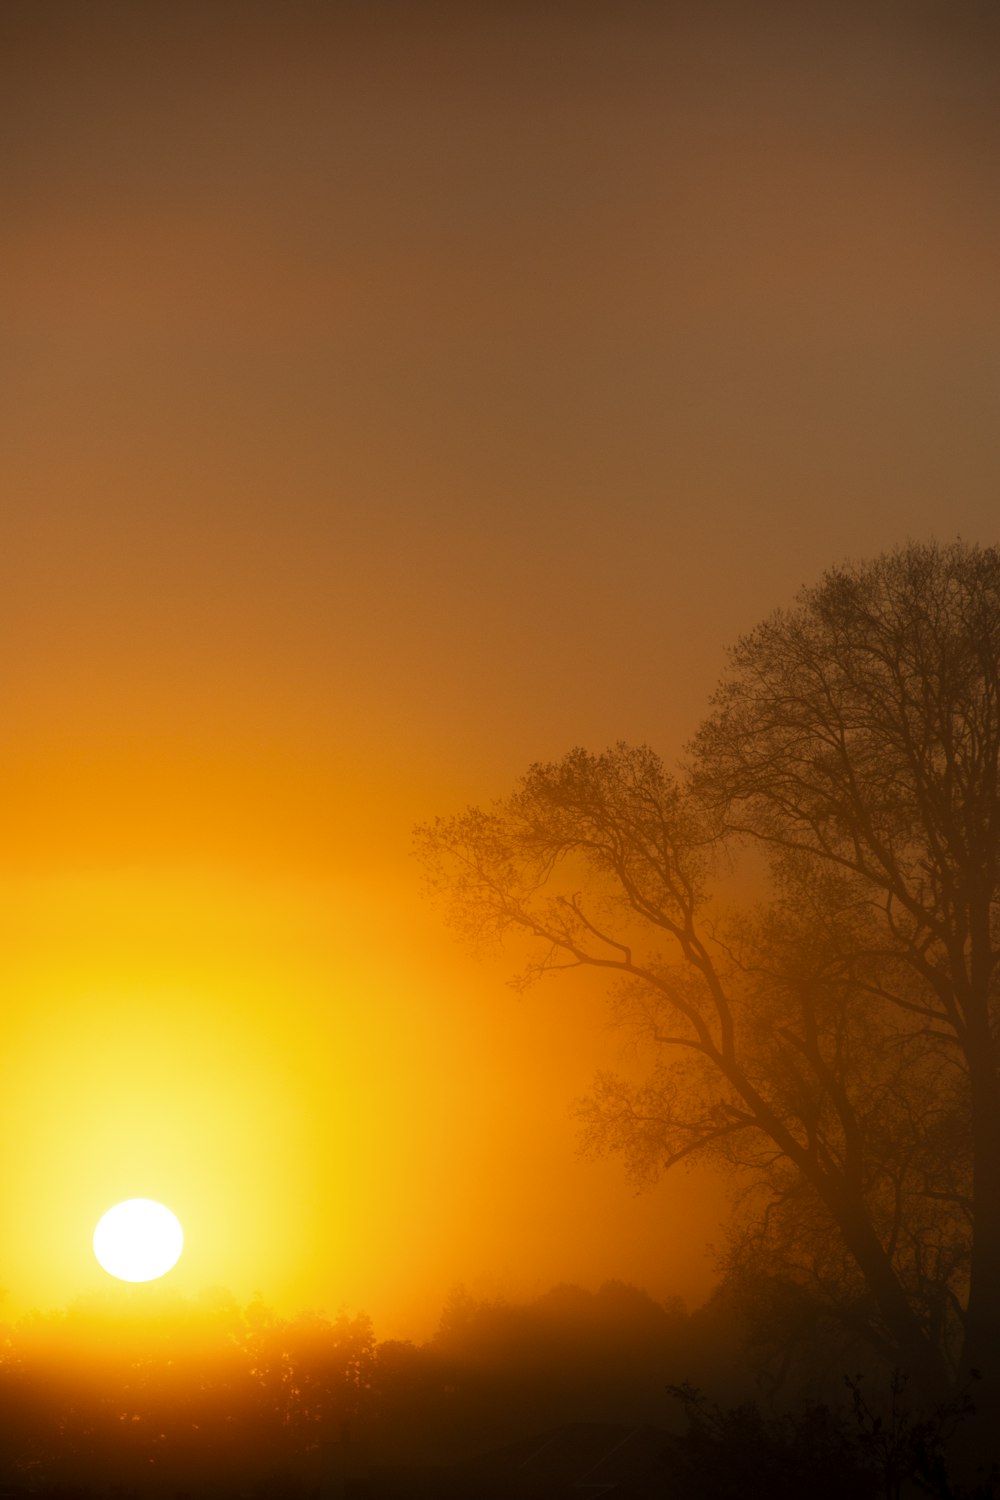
394 394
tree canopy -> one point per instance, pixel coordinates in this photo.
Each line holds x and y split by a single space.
835 1042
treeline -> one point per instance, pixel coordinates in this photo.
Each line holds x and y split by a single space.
139 1392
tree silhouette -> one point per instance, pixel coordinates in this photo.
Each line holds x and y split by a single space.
836 1045
114 1397
861 735
164 1396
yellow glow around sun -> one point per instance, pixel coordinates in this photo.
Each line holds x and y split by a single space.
138 1240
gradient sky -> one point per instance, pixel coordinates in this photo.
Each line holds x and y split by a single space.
393 395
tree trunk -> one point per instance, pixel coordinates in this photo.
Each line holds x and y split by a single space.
980 1363
920 1358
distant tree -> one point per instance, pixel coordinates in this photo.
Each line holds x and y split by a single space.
838 1045
567 1356
112 1396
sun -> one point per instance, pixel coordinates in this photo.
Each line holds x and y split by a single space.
138 1240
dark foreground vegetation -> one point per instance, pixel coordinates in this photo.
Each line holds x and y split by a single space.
141 1395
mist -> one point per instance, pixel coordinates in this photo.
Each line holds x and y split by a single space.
494 422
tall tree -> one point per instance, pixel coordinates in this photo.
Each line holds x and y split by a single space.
861 733
838 1046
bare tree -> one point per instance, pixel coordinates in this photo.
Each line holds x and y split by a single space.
837 1046
860 733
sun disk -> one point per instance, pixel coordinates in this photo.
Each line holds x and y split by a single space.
138 1240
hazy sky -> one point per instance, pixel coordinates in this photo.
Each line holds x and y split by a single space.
393 395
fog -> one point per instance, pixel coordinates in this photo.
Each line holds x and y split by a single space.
396 397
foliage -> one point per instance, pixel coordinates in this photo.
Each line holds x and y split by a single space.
872 1450
156 1395
727 1453
153 1393
130 1397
